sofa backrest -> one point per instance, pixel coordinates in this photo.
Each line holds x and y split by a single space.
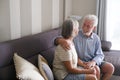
27 47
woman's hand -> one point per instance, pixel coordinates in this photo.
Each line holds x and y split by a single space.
89 64
91 71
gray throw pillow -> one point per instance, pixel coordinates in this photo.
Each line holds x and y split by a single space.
44 68
106 45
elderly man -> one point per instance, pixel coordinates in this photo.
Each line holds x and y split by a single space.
88 47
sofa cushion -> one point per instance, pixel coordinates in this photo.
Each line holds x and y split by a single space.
113 56
44 68
106 45
26 70
8 73
27 47
31 44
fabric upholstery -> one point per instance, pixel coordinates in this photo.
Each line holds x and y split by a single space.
113 56
30 46
27 47
44 68
26 70
106 45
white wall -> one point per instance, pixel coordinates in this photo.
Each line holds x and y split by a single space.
61 11
68 8
20 18
15 24
36 9
84 7
26 17
4 20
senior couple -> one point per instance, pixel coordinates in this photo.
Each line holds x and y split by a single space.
78 55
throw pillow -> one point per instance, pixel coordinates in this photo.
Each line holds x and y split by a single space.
106 45
26 70
44 68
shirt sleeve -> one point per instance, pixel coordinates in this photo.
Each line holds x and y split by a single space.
98 52
55 40
64 55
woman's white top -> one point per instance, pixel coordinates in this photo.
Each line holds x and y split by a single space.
61 55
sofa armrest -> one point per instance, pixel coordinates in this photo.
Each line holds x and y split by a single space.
113 56
106 45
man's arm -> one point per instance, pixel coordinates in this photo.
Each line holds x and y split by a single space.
81 63
56 41
75 70
61 41
98 52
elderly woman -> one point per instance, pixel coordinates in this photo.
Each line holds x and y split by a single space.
65 64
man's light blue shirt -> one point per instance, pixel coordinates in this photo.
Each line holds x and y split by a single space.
89 48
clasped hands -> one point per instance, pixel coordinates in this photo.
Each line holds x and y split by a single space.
90 66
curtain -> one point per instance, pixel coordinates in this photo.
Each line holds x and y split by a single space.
113 23
101 13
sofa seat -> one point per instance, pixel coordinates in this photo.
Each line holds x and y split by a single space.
113 56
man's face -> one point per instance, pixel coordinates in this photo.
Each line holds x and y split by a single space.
88 27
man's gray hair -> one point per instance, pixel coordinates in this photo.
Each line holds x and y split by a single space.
93 18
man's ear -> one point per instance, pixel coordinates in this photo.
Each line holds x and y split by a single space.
94 28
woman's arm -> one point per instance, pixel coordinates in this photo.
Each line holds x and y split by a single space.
76 70
81 63
86 65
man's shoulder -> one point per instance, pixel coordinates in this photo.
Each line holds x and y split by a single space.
95 35
80 33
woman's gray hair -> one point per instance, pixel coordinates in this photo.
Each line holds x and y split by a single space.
67 27
93 18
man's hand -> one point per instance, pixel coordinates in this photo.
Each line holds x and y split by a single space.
63 43
90 71
89 64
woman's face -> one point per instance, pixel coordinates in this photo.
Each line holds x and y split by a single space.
75 30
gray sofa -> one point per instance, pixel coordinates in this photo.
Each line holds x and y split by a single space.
43 43
27 47
112 56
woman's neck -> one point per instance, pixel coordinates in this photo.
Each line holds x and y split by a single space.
70 40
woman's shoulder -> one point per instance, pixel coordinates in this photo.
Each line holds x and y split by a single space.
59 48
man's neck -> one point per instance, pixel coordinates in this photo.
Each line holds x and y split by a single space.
87 34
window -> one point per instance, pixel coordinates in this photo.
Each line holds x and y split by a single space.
113 23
